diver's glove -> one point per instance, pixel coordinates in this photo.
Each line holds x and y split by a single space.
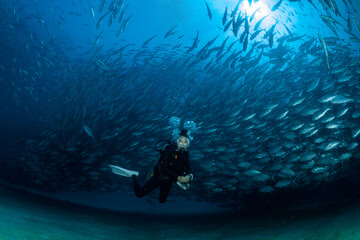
185 179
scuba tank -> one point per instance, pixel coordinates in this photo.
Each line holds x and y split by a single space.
151 171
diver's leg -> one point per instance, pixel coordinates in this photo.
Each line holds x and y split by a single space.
164 190
153 183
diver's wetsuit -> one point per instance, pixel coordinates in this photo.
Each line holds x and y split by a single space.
172 163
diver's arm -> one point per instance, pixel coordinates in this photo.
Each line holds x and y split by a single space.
169 172
186 177
187 165
173 175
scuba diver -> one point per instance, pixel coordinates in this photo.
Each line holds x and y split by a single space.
172 166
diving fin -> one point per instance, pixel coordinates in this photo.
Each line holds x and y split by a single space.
122 171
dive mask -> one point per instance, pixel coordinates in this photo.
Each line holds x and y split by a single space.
183 142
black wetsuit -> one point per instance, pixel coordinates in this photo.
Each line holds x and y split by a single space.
172 163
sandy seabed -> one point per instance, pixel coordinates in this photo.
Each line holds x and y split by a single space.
26 216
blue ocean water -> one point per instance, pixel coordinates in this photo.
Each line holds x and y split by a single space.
269 90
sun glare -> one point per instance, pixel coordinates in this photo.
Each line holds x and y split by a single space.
262 11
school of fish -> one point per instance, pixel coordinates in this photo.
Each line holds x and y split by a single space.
270 116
